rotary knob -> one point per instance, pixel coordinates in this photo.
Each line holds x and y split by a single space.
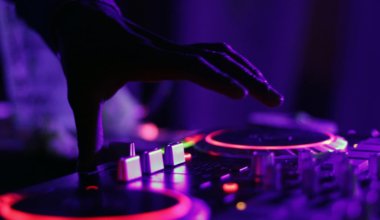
260 162
305 160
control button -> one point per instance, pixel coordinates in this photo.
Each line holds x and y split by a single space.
339 159
174 154
273 177
310 180
260 162
205 185
129 168
243 169
152 161
225 177
305 159
345 178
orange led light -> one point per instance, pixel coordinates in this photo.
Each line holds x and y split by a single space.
241 206
230 187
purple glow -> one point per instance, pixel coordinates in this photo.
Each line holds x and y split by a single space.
211 140
178 210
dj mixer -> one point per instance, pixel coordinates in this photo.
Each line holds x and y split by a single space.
256 172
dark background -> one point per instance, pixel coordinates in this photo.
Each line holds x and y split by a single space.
322 55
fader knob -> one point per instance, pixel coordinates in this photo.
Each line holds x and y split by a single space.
152 161
128 168
132 149
374 166
273 177
346 179
260 162
310 180
305 160
174 154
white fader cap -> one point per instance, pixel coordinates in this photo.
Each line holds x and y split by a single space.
129 168
152 161
174 154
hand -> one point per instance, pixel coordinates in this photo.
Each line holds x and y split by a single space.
101 51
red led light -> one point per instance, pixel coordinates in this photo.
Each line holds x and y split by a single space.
230 187
92 187
188 156
213 153
211 140
176 211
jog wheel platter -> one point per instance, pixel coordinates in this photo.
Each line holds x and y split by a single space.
282 141
97 204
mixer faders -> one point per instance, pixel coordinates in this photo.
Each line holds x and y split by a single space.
258 172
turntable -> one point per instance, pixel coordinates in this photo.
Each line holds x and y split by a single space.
260 172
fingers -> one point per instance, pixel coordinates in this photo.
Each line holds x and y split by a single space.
87 114
200 71
225 48
242 70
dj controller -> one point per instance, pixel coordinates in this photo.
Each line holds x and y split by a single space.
256 172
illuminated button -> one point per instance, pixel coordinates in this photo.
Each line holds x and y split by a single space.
205 185
174 154
152 161
230 187
241 206
225 177
243 169
129 169
92 187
